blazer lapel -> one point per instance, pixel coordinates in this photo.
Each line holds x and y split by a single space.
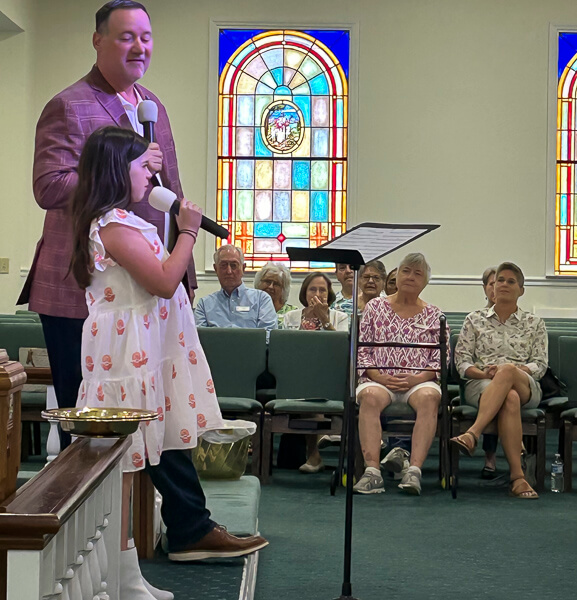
108 99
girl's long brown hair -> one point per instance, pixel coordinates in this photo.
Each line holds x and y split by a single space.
103 184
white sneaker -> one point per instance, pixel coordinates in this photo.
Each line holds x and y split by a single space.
395 460
370 483
329 440
411 482
406 465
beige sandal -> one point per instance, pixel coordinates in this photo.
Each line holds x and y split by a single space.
522 490
461 441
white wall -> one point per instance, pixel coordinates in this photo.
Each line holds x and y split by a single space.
16 58
452 122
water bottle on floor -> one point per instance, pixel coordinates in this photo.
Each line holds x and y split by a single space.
557 474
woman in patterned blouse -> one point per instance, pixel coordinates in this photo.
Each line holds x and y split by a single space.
401 374
502 352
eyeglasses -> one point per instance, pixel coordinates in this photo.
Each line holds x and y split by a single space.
375 278
267 282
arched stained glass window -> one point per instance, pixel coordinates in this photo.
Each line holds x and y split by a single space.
565 197
282 140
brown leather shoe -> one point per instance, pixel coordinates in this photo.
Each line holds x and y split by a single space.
219 543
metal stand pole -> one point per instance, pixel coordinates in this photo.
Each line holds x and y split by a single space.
346 592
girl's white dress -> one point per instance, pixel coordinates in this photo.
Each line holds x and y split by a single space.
142 351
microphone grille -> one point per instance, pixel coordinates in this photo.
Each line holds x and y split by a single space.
147 112
161 198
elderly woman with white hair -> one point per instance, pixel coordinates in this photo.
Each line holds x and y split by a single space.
399 374
275 280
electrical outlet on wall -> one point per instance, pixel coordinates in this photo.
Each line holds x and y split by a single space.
4 265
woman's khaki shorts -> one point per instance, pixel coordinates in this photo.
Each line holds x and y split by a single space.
475 387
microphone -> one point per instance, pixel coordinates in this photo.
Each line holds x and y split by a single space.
165 200
148 115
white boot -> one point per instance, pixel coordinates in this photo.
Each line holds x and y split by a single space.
158 594
132 584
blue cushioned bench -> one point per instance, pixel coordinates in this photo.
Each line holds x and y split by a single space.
234 504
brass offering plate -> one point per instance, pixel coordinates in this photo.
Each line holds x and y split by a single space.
99 422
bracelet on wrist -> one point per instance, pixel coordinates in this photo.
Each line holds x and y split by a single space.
189 232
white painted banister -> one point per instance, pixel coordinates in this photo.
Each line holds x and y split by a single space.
61 530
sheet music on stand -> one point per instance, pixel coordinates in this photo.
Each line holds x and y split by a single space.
363 243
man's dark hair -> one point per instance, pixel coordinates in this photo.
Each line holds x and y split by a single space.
103 13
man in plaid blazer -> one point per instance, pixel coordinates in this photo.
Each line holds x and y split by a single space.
109 95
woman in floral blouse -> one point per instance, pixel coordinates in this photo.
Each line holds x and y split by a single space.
502 352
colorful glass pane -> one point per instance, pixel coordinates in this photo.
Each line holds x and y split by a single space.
263 206
565 213
282 102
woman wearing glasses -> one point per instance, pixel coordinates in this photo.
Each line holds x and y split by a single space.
275 280
372 277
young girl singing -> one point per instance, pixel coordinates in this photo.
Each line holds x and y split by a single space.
140 348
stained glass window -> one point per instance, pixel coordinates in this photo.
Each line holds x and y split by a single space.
565 197
282 140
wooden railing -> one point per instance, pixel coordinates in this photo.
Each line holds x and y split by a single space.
60 532
12 379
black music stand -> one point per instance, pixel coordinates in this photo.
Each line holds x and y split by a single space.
356 247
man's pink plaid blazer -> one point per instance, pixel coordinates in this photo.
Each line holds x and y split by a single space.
65 124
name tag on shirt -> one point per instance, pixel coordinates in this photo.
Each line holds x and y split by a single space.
242 308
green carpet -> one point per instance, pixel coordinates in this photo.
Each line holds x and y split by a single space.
482 545
205 580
